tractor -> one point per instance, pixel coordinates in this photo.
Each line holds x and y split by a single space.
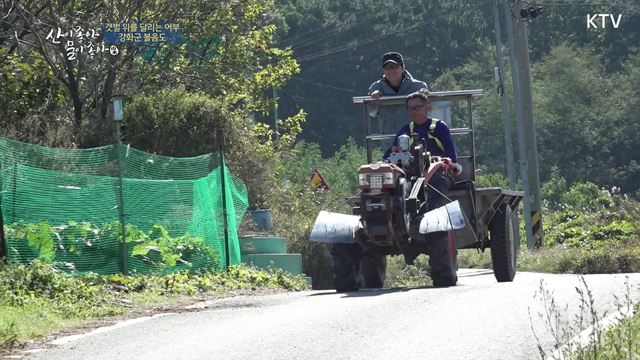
394 213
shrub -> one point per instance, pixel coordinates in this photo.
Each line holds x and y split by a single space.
295 209
176 122
590 231
474 259
554 189
492 180
69 296
587 197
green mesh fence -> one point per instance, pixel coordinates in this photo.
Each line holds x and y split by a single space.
66 206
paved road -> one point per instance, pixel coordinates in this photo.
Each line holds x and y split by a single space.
478 319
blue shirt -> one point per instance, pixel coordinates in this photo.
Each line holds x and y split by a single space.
441 132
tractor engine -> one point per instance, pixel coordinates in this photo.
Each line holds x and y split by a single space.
382 188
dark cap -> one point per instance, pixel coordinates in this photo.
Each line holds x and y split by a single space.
393 57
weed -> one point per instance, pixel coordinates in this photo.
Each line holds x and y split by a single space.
586 335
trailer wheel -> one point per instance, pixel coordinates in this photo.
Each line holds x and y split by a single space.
443 259
345 260
503 247
374 270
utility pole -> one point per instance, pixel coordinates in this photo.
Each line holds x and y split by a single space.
524 74
503 100
520 122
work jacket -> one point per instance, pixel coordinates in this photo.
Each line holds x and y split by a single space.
439 141
407 86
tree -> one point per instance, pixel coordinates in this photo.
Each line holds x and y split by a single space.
239 72
27 92
177 122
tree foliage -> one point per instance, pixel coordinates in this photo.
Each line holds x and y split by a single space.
584 122
339 45
243 66
175 95
585 80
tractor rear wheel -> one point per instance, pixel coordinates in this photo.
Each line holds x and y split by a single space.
346 267
503 248
443 259
373 269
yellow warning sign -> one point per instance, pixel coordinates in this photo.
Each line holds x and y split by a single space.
317 182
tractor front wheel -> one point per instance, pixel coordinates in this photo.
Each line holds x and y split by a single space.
345 260
373 269
443 259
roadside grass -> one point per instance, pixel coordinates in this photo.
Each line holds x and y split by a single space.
586 336
38 299
622 341
619 342
33 320
560 260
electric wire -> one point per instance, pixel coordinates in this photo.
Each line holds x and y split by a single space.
580 4
325 85
323 35
372 39
296 40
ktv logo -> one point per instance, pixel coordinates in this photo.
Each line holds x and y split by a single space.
593 23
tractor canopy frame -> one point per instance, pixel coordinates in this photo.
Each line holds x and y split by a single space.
479 205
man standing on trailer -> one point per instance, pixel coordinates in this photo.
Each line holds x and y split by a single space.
396 80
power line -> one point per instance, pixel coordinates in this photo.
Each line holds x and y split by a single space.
323 35
373 38
365 41
296 38
582 4
325 85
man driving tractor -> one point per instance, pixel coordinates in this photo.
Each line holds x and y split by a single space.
439 143
438 139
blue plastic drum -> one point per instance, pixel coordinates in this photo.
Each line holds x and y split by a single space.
263 219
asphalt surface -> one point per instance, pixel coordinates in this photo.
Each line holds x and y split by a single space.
478 319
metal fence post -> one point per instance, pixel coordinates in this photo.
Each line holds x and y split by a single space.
221 140
4 247
117 118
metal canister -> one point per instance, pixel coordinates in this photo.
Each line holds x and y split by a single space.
403 142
